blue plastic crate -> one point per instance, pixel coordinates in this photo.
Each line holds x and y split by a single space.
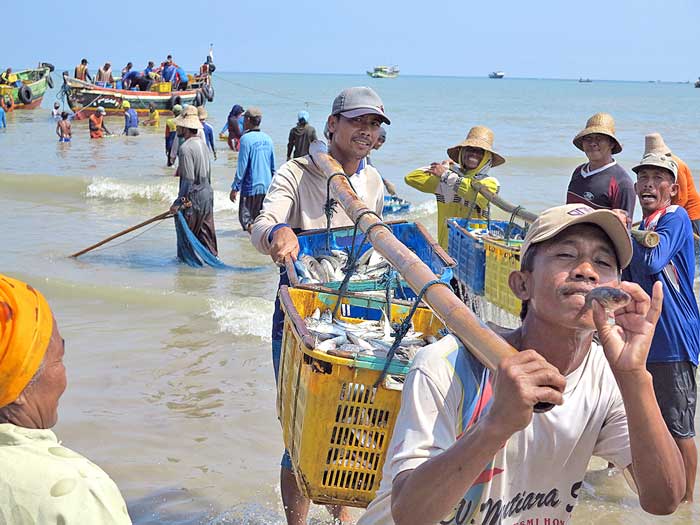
411 234
467 249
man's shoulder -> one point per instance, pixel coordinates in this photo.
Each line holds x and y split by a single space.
619 172
675 216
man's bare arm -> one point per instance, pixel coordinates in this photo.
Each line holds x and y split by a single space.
657 465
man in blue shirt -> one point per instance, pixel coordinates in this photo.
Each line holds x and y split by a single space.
256 166
3 122
208 130
673 357
131 120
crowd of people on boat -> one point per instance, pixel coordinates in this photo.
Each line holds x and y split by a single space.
468 445
143 80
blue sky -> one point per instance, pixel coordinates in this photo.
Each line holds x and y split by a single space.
613 39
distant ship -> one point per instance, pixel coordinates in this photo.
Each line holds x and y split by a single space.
497 74
384 72
697 83
585 80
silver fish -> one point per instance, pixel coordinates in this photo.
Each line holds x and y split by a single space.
608 297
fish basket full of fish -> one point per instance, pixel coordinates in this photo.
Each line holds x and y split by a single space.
502 257
337 416
466 247
317 265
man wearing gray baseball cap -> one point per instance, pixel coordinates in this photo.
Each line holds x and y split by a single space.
296 202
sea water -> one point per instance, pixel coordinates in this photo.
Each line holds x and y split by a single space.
170 384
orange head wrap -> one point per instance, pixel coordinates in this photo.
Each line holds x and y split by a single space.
26 324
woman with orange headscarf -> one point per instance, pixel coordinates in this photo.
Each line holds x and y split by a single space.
40 480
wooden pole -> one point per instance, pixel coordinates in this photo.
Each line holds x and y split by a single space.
488 347
503 204
163 215
648 239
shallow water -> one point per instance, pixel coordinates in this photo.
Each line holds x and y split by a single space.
170 375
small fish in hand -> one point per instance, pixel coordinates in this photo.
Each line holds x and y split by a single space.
608 297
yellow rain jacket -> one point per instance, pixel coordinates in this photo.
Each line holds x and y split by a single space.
454 193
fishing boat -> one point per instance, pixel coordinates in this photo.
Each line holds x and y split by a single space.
497 74
384 72
84 97
584 80
28 87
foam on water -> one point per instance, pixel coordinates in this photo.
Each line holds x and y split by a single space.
104 188
247 316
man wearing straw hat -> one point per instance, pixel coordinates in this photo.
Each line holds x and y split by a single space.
687 195
296 201
42 481
601 182
673 358
455 197
468 447
195 199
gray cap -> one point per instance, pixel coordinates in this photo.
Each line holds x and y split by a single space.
100 109
657 160
357 101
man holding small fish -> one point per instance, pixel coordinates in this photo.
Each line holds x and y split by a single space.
470 447
673 358
296 202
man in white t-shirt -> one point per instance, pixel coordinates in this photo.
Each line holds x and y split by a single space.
468 448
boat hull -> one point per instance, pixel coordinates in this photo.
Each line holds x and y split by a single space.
84 99
375 74
36 81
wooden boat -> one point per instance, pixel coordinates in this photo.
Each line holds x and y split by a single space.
497 74
84 97
384 72
33 84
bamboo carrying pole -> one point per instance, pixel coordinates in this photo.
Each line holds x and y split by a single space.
488 347
163 215
648 239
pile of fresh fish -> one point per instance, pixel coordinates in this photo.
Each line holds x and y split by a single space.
366 338
330 268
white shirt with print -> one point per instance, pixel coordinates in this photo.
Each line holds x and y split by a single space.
537 477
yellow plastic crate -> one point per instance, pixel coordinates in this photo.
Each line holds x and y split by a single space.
501 260
5 90
336 425
162 87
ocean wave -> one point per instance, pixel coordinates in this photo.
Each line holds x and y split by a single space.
112 190
248 316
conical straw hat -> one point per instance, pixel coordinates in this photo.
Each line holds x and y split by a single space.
654 143
189 118
602 123
478 137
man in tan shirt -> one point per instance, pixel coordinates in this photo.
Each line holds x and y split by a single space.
295 202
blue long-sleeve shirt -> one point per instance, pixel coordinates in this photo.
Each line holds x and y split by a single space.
131 119
209 135
3 122
168 73
677 335
256 164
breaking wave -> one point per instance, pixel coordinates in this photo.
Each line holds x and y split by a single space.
248 316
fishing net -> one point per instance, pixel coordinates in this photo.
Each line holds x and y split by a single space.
190 250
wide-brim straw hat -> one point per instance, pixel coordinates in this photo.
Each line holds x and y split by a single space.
478 137
654 143
603 124
188 119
